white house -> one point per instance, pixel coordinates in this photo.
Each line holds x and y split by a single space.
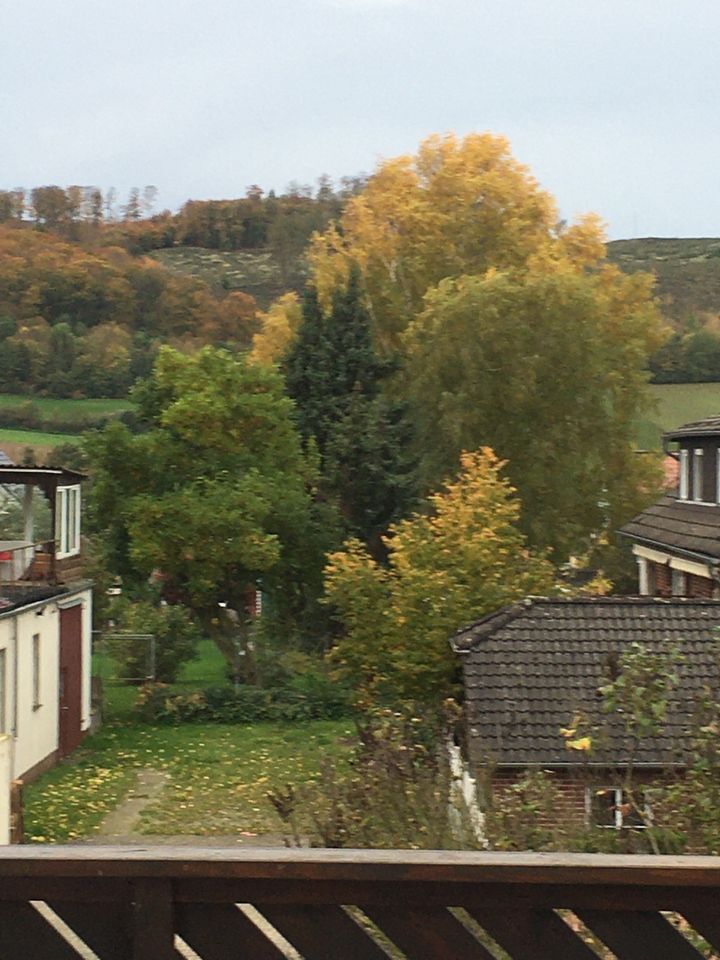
45 627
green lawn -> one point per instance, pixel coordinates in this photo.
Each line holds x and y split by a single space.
219 776
66 409
35 438
675 404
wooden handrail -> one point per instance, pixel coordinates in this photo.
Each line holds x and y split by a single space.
366 904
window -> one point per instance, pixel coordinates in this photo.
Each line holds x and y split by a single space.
697 484
610 808
67 521
678 583
36 670
3 691
684 474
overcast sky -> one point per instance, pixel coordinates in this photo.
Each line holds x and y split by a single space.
614 104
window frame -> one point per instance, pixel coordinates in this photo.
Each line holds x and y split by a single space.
36 671
67 521
684 478
617 808
697 474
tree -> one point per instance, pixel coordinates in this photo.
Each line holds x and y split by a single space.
278 329
464 558
547 367
212 496
460 206
336 379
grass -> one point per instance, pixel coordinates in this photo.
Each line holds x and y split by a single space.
676 404
66 409
36 438
219 776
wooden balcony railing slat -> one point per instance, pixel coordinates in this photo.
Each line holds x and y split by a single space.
533 935
431 934
643 936
153 933
322 933
219 931
104 928
24 934
706 924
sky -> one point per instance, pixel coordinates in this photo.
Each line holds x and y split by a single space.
612 105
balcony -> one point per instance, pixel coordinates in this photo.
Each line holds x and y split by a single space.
217 904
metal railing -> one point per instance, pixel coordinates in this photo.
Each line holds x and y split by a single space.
217 904
27 562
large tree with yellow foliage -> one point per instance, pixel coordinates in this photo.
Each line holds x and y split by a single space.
464 557
512 330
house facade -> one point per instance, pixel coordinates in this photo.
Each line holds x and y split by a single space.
531 668
45 620
676 541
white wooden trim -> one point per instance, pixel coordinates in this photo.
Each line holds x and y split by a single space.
684 481
697 475
677 563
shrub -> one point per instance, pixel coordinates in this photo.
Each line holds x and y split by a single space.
175 633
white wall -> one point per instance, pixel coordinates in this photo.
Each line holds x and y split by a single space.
5 778
35 728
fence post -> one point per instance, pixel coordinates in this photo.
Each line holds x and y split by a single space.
153 933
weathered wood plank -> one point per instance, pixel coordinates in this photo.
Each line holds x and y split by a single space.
323 933
707 924
153 930
221 932
533 935
105 928
363 865
639 936
431 934
25 934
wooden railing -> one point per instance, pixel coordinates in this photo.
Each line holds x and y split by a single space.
220 904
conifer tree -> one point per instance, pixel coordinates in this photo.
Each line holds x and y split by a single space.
336 378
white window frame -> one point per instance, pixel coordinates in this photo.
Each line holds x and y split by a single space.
3 691
618 815
67 521
678 582
36 671
684 486
697 475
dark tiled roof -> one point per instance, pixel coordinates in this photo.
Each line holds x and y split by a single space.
679 525
709 427
530 667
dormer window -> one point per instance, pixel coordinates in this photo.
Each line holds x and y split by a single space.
684 490
67 522
697 485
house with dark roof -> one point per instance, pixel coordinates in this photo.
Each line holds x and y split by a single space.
676 541
45 624
530 668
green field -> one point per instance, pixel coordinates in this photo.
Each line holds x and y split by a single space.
676 404
65 409
36 438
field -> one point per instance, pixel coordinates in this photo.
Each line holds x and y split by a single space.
675 404
256 272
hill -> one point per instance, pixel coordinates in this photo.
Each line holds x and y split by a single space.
687 271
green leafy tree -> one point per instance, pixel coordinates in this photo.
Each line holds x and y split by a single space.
464 558
211 497
547 368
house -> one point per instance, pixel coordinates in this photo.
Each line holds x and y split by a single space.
676 541
45 622
530 668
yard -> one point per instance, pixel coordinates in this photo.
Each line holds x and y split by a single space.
218 775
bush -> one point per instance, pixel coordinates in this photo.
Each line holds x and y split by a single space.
173 628
311 697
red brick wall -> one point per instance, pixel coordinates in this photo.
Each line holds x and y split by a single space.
700 587
661 579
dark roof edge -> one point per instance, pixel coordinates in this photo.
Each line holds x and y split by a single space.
468 637
691 554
